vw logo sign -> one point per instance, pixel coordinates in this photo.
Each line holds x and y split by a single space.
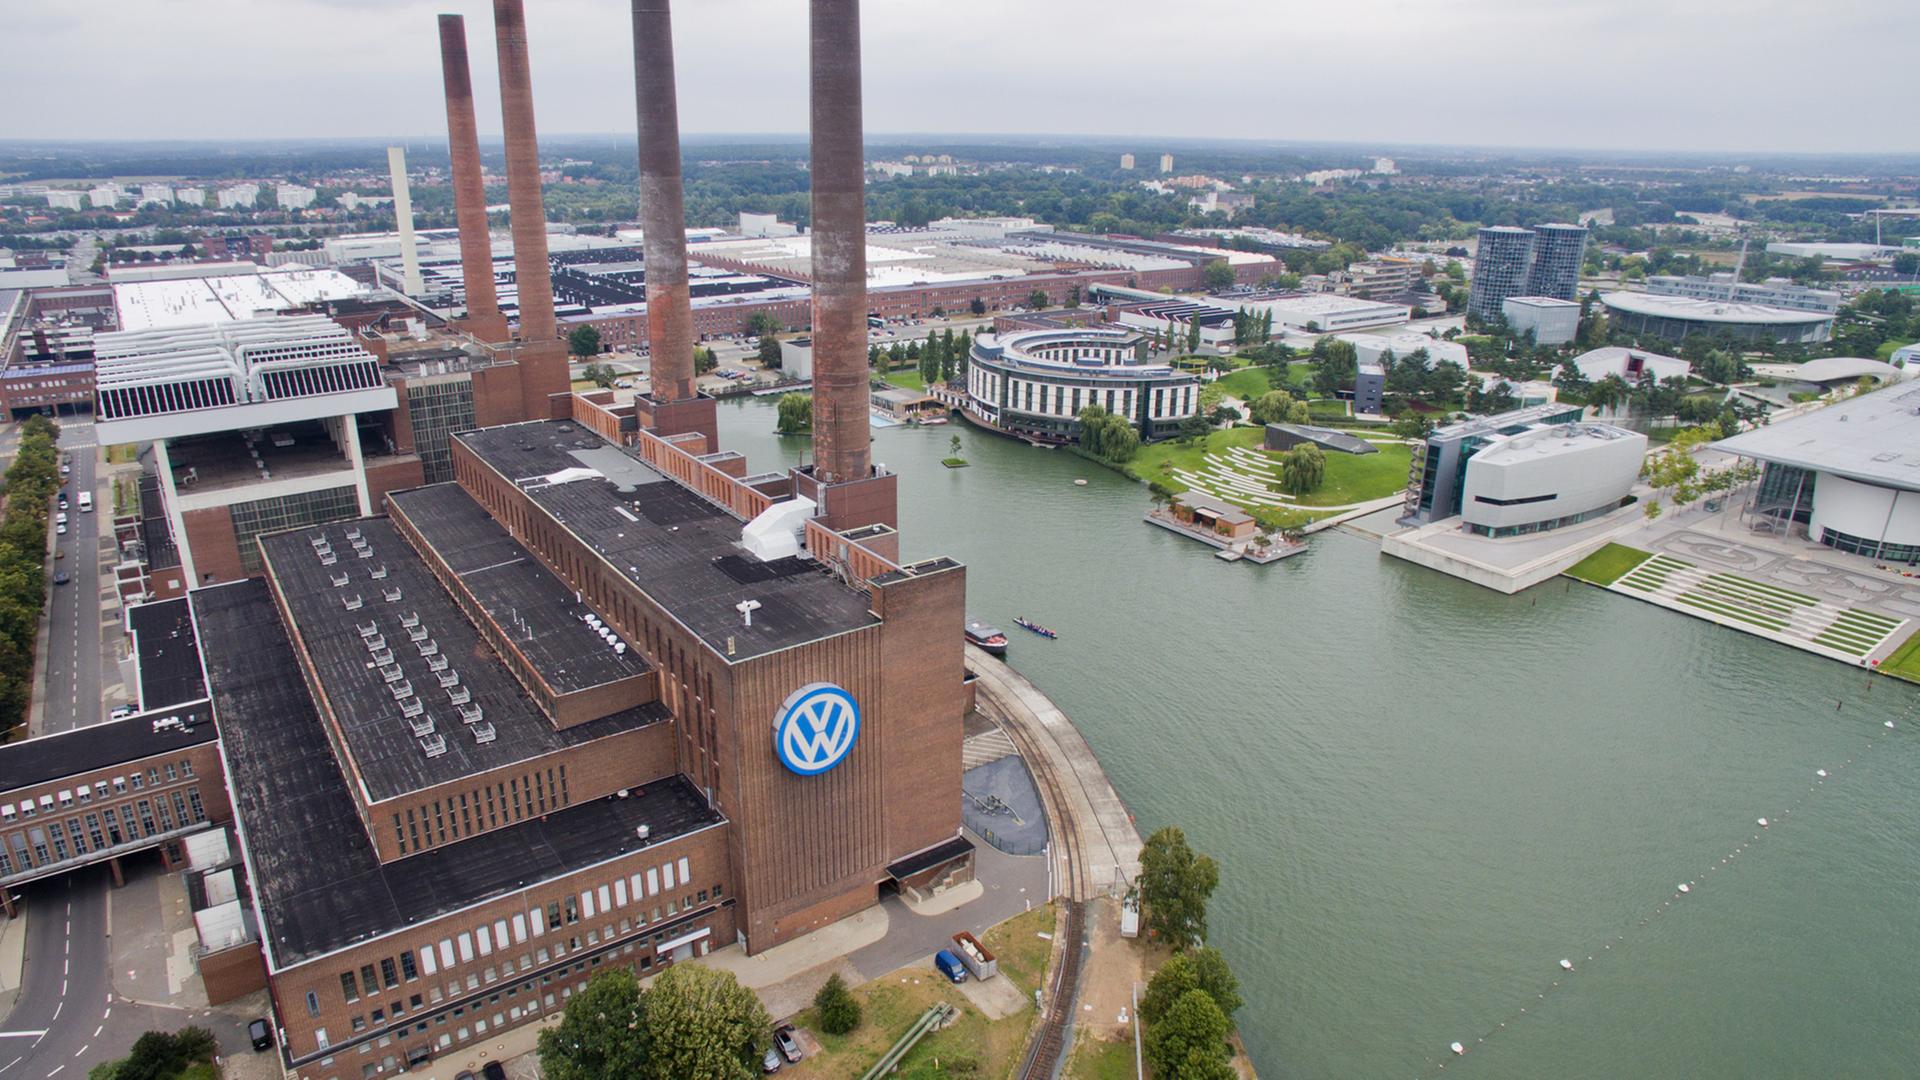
815 728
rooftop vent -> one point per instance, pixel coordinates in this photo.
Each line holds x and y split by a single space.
410 620
368 630
422 726
436 663
383 656
379 573
483 733
354 602
429 647
460 695
433 745
340 581
449 678
471 714
376 642
392 595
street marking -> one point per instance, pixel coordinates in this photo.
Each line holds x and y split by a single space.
80 1051
11 1064
56 1069
22 1034
63 993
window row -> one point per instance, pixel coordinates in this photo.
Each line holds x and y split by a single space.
57 841
486 807
67 798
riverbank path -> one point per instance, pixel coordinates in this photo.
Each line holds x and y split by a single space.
1103 835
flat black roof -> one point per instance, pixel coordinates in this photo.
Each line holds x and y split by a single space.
680 549
517 591
312 868
390 760
168 656
99 746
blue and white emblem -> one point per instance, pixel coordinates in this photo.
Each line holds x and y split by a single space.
815 728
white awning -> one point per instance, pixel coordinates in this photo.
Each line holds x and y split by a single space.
684 939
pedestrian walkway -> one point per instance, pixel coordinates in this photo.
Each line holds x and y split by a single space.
982 749
1788 616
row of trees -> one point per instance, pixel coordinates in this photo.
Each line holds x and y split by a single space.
695 1023
1675 473
1252 328
1189 1005
31 482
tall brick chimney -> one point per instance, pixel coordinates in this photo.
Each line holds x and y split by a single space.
542 359
840 400
484 320
673 406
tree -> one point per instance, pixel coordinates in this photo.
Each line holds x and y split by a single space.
1335 365
1175 883
1217 276
604 1031
704 360
1194 428
796 414
1190 1041
1202 969
763 324
1036 300
1303 468
770 357
977 306
704 1026
584 341
838 1011
1193 335
601 374
1412 425
1272 407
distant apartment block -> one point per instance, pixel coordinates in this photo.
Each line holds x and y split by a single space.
1126 161
1166 163
65 200
1541 261
294 196
237 197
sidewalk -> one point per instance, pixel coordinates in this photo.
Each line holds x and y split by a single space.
13 958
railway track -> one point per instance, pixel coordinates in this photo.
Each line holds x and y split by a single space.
1074 887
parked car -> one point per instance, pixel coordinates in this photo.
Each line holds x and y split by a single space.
123 711
771 1063
493 1070
950 966
465 1074
258 1030
60 529
784 1041
61 577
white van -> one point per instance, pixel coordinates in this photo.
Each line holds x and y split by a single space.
86 502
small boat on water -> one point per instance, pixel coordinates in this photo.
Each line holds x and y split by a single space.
1028 624
989 638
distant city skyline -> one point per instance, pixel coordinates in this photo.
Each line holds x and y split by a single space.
1620 75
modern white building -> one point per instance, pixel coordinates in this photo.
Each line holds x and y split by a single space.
65 199
294 196
1906 356
237 197
104 196
1035 383
1636 366
254 426
1846 476
1552 320
155 195
1549 477
1370 348
1320 313
1675 317
190 196
752 224
1773 292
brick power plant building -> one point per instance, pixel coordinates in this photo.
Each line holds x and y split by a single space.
603 696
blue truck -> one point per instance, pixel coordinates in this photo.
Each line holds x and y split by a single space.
950 966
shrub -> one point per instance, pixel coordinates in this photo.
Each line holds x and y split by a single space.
839 1012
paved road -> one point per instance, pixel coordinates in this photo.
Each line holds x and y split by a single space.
75 651
68 1018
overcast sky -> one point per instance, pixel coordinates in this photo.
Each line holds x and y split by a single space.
1736 75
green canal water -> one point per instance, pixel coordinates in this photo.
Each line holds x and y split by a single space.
1424 795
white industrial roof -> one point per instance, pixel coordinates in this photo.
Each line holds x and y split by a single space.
1873 438
1551 440
152 305
1709 311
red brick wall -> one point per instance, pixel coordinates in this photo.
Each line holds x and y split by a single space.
496 396
216 551
393 474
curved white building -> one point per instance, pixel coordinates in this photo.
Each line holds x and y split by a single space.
1035 383
1674 317
1548 477
1850 473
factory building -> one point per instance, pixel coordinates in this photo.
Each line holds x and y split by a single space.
1673 318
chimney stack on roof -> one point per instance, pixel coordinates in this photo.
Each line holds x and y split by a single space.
841 435
483 319
543 362
662 203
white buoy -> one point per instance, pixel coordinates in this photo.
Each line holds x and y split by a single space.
1889 723
1566 965
1079 483
1763 823
1685 888
1821 773
1458 1049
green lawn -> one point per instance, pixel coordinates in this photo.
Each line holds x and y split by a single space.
1245 384
908 379
1608 565
1100 1059
1350 478
1905 661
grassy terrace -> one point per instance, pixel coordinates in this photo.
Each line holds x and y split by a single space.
1350 478
1905 661
1608 565
908 379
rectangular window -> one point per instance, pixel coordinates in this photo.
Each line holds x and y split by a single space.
348 988
485 939
407 968
427 963
666 875
520 927
605 902
586 903
446 952
653 881
684 875
389 973
500 933
313 1004
369 982
620 892
466 948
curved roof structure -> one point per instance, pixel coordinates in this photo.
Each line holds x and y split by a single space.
1846 369
1709 311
